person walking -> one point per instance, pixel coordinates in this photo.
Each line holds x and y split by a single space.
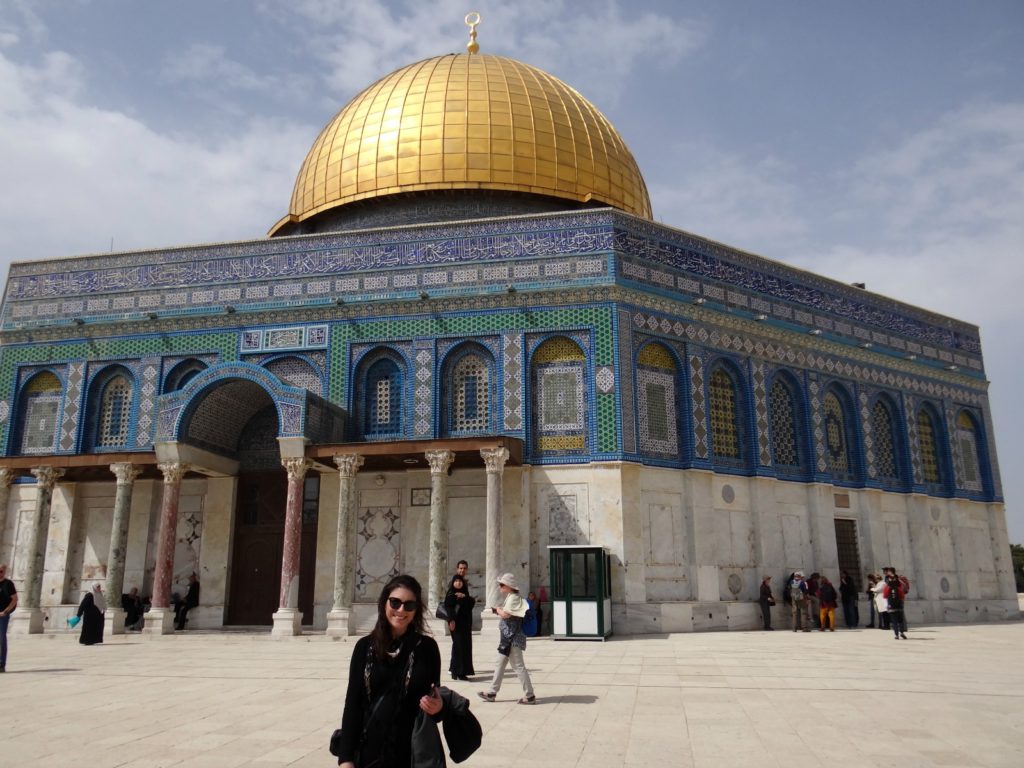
459 604
798 596
827 599
894 595
91 611
8 602
848 594
393 675
767 600
512 642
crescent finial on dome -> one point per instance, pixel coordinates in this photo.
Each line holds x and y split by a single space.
472 20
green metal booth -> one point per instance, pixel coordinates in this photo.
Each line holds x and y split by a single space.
581 592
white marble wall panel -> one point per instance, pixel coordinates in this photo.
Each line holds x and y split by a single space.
326 542
218 517
66 542
188 539
145 505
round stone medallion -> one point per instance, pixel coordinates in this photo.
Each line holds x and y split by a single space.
728 494
944 584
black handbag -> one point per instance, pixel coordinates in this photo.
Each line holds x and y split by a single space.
442 612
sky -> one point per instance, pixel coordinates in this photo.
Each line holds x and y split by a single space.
875 142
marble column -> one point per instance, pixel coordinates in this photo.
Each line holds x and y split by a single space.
125 474
28 619
437 575
288 619
6 476
340 619
494 461
160 619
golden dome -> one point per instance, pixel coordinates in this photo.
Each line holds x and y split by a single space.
462 121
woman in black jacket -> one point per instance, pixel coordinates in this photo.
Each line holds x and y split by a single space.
459 605
394 674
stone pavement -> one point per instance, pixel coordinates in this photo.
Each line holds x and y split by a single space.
948 696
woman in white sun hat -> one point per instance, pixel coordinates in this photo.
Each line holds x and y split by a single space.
512 642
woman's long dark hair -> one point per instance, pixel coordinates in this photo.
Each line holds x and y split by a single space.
381 635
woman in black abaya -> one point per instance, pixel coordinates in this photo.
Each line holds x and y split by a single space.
460 604
91 611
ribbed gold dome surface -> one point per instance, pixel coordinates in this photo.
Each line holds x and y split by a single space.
468 121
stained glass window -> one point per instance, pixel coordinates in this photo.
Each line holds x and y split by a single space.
836 439
725 432
785 452
931 468
383 407
967 438
470 388
40 404
882 429
115 413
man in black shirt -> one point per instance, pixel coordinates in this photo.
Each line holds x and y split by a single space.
8 602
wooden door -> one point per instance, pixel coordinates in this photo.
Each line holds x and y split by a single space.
258 546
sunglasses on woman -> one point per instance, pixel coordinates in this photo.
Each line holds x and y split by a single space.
408 605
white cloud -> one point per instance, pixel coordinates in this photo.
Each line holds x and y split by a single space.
87 174
209 66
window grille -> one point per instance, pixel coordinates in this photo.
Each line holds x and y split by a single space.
886 460
836 437
783 423
383 399
115 413
470 394
930 467
725 433
967 437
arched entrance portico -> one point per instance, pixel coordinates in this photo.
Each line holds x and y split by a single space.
238 420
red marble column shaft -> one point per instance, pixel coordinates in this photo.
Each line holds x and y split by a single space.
173 472
292 533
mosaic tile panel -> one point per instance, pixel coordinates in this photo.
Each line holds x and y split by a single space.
147 402
697 403
41 399
296 372
606 429
423 388
764 450
626 392
785 451
72 406
969 468
867 433
910 408
604 379
726 439
656 403
512 366
817 426
886 464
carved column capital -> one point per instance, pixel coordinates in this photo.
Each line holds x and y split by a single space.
173 471
47 477
6 477
125 473
296 467
439 461
348 464
494 459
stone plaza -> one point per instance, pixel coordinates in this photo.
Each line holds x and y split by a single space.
951 695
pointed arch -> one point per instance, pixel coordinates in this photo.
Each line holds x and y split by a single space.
787 426
380 387
182 373
467 390
932 448
727 411
657 392
38 414
559 414
973 457
841 443
109 408
888 448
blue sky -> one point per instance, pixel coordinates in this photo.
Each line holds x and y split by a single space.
876 142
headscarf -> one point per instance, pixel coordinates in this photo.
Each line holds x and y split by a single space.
97 598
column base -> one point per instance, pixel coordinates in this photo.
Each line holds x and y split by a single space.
159 621
287 623
113 621
341 622
26 621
